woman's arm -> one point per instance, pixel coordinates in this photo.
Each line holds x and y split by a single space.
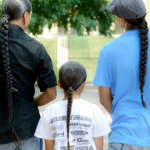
48 95
105 98
99 143
49 144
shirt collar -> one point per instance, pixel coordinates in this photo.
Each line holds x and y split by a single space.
15 28
132 31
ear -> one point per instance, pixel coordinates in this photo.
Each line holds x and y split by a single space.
123 23
58 83
27 17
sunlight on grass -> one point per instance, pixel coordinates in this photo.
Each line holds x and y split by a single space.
84 49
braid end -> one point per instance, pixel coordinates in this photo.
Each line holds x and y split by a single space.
14 135
144 104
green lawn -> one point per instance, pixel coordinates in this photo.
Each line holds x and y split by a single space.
84 49
51 46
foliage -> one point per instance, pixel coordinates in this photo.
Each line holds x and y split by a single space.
1 2
80 15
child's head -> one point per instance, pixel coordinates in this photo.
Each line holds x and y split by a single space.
71 76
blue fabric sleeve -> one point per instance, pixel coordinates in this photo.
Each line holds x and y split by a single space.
102 77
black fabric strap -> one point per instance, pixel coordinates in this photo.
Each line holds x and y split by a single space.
22 92
18 90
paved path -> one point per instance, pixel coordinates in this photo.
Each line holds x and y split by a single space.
90 94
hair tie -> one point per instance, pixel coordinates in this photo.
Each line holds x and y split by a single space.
6 16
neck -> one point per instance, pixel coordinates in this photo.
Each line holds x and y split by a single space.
18 23
132 27
75 96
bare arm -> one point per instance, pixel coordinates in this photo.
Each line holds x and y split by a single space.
99 143
105 98
48 95
49 144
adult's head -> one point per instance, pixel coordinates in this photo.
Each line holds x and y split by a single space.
72 76
126 10
131 15
17 12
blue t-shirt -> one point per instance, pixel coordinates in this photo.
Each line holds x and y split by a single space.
118 69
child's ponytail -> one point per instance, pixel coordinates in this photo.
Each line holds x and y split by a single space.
71 76
69 106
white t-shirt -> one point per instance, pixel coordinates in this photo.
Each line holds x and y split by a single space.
87 121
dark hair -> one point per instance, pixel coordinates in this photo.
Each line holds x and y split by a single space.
144 46
71 75
11 9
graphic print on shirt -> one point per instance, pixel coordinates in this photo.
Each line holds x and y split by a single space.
79 130
85 123
73 117
58 134
56 126
66 148
77 147
60 141
81 141
84 148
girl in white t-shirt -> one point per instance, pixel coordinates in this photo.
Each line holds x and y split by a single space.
72 123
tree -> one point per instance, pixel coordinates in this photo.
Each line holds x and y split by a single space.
78 14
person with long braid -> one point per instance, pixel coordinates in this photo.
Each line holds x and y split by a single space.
123 77
23 61
72 123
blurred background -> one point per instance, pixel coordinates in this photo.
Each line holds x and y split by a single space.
74 30
82 39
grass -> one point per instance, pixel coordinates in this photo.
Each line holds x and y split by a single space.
84 49
50 45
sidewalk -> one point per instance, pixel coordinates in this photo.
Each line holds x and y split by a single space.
90 94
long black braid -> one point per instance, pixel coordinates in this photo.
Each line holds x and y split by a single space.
142 24
71 75
69 106
11 9
6 65
144 47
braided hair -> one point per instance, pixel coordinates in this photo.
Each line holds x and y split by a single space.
69 106
71 76
11 10
144 47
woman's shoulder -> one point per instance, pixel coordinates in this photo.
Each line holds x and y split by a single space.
114 43
33 41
